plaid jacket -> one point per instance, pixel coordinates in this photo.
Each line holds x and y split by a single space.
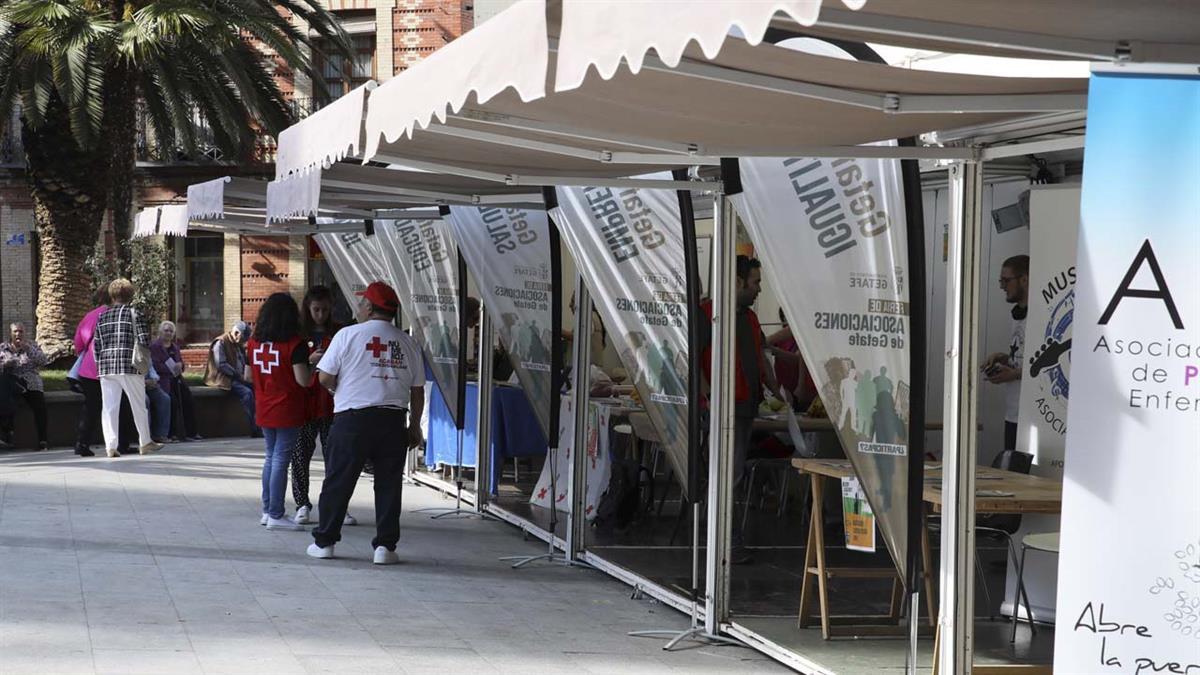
116 331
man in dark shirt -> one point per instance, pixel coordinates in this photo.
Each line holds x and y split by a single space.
751 371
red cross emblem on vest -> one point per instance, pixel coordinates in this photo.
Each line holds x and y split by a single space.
376 347
265 364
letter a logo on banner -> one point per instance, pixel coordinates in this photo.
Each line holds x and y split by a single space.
1129 568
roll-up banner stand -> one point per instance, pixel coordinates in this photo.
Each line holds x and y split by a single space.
354 258
628 245
424 262
1046 371
513 255
1129 561
831 233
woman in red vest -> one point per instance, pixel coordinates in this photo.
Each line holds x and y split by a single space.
317 328
277 364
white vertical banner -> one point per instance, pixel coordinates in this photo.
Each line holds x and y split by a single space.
1129 566
508 253
355 259
1046 370
599 463
831 234
628 246
424 264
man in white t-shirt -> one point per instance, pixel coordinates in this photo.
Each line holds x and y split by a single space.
1004 368
377 376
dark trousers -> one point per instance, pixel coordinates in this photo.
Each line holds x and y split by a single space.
36 401
375 434
183 410
1010 435
127 434
245 394
89 417
302 454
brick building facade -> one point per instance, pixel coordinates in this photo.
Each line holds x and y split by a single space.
221 279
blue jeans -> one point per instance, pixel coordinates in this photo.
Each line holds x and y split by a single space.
279 444
245 394
159 402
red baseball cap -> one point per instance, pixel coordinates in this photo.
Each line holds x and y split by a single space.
381 295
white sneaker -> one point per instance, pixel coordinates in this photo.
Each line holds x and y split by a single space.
264 519
315 551
284 523
302 515
350 520
384 556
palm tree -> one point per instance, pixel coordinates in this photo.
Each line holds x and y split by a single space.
76 70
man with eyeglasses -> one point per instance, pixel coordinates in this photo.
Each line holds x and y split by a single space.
1004 368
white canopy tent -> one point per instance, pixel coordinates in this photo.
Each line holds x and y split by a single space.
684 109
703 96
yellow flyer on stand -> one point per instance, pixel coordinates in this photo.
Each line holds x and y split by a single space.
857 517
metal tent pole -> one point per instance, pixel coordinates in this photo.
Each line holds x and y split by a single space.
695 631
721 432
582 381
550 198
483 422
956 623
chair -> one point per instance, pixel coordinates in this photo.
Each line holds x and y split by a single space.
1046 542
783 465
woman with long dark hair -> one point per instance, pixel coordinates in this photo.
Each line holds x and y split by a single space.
277 364
316 328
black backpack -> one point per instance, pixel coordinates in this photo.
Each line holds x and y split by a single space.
630 493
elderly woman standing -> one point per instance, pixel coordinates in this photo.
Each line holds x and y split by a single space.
168 363
118 332
20 361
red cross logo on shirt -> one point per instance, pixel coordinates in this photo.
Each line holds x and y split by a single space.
376 347
260 357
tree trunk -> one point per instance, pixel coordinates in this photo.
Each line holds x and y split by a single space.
70 192
120 130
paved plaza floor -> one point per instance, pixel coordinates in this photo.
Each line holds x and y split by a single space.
158 564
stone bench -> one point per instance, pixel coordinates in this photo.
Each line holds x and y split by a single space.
218 414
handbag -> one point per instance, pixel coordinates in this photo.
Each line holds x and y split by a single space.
73 376
140 359
73 373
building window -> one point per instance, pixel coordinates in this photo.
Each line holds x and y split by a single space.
200 297
341 75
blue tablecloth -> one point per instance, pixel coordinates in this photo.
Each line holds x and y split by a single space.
515 430
442 445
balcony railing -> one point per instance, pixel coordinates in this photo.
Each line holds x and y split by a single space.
152 149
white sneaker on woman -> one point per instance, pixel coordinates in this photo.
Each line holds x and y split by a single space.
302 515
350 520
263 520
284 523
